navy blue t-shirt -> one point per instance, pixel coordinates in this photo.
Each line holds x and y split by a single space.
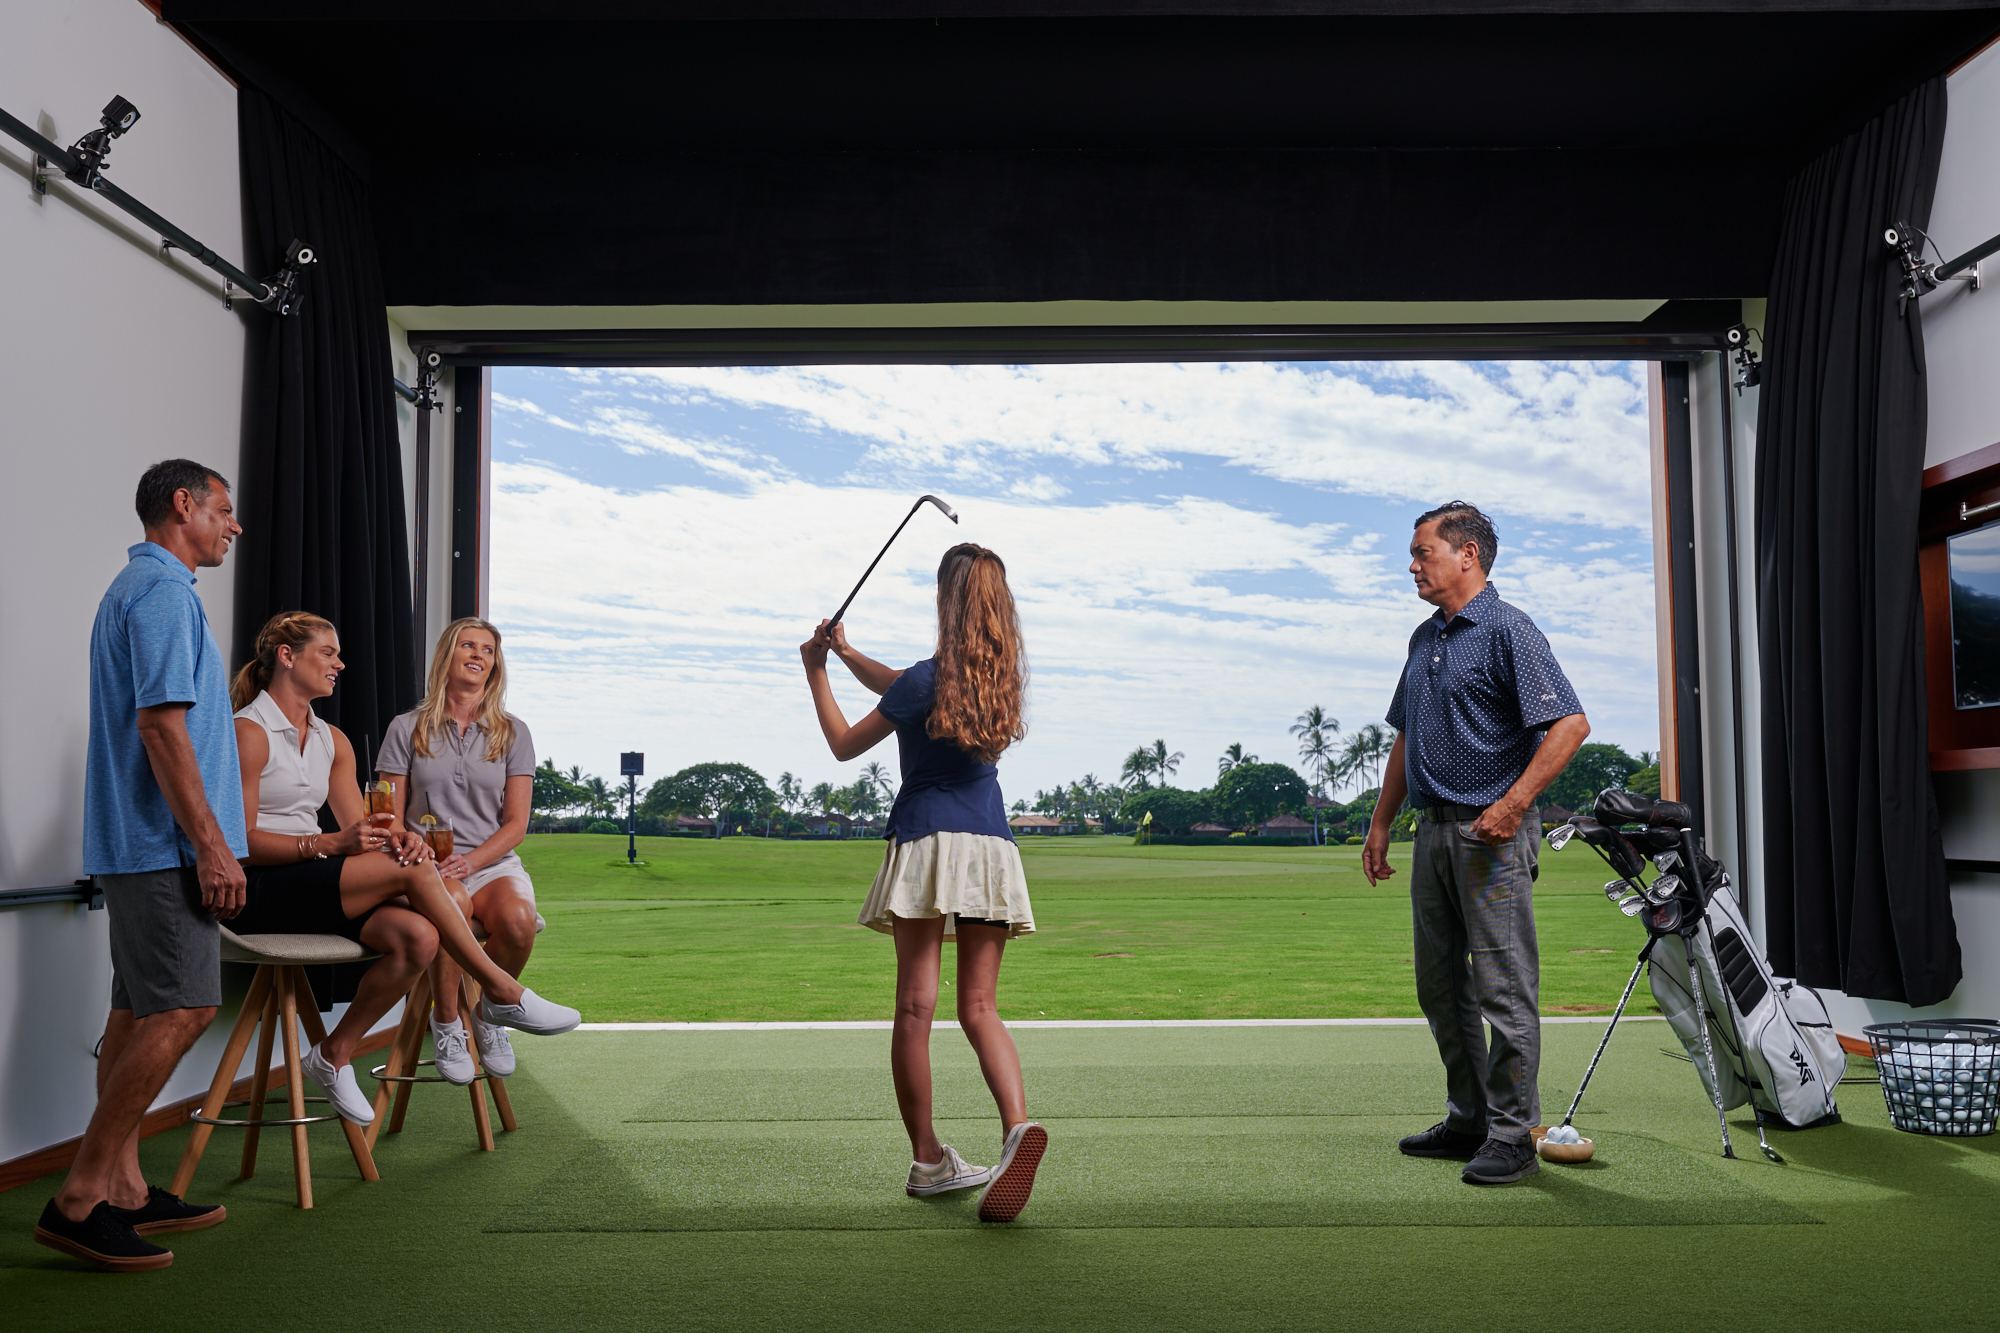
945 790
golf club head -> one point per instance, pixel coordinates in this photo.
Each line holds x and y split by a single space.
942 507
1617 889
1558 838
1632 906
1772 1153
1662 889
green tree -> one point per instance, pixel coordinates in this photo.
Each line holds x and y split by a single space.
1173 810
1316 733
1164 763
1646 781
1137 767
1253 793
708 789
876 775
1596 766
1233 757
553 791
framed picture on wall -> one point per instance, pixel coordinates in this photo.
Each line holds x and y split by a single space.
1959 554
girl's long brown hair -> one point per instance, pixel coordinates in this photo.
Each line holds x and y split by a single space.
287 629
493 714
982 670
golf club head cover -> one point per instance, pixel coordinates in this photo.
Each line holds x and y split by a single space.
1613 846
1617 806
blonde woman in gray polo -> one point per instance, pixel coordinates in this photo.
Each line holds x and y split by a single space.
461 756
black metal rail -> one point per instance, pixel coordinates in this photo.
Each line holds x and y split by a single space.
82 891
1951 268
277 294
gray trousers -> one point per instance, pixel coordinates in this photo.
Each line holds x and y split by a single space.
1478 965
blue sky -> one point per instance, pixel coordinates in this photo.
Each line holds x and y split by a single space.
1199 551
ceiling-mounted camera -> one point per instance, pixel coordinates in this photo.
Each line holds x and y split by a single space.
118 116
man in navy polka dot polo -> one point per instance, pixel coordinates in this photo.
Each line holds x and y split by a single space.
1485 720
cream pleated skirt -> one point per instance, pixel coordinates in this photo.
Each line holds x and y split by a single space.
950 875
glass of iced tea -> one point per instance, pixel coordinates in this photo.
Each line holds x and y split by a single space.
437 832
379 798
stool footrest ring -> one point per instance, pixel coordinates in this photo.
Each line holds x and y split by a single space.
225 1123
380 1077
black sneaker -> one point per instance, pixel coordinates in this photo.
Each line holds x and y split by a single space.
1501 1163
166 1212
102 1240
1441 1140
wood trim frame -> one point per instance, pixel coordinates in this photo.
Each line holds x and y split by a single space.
30 1167
1969 739
1676 616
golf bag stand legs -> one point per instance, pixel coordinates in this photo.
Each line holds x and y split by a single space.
1616 1014
1708 1048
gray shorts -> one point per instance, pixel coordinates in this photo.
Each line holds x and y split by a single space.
166 951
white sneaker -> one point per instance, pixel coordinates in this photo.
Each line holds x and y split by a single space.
496 1053
1014 1179
339 1086
953 1173
448 1053
533 1015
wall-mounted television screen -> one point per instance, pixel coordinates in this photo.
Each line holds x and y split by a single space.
1975 617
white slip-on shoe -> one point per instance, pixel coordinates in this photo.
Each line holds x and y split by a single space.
496 1053
340 1087
533 1015
1014 1178
953 1173
448 1053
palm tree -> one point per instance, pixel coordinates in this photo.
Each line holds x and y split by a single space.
1137 765
1316 732
602 799
877 776
1233 757
1380 742
1163 763
821 797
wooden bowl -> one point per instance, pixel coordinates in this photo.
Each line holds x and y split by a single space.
1566 1152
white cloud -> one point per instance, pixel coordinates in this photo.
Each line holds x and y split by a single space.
668 620
1549 441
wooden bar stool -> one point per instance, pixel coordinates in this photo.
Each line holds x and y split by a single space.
279 1002
400 1072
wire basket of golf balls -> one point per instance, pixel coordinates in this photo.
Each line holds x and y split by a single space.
1939 1076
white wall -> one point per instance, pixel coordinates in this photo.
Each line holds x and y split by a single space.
111 359
1962 344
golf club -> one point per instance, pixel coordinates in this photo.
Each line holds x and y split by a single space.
942 508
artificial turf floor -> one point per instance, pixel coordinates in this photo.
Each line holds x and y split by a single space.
744 929
1198 1178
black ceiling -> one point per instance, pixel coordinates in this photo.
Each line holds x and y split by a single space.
1303 151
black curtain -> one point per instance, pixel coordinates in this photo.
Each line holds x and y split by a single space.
323 480
1856 894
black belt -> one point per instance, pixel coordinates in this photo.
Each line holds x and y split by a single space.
1450 814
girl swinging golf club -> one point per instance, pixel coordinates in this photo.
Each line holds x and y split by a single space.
951 870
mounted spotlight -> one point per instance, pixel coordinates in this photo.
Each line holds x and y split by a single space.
1918 277
282 290
1749 373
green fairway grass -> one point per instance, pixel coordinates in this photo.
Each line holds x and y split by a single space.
749 929
1197 1179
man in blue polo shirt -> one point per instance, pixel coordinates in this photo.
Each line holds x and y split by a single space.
1485 721
163 835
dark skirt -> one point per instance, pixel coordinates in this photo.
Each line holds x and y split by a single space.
302 898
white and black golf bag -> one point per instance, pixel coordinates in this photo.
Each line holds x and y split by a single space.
1774 1044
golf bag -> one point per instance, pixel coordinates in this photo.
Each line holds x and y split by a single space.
1774 1044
